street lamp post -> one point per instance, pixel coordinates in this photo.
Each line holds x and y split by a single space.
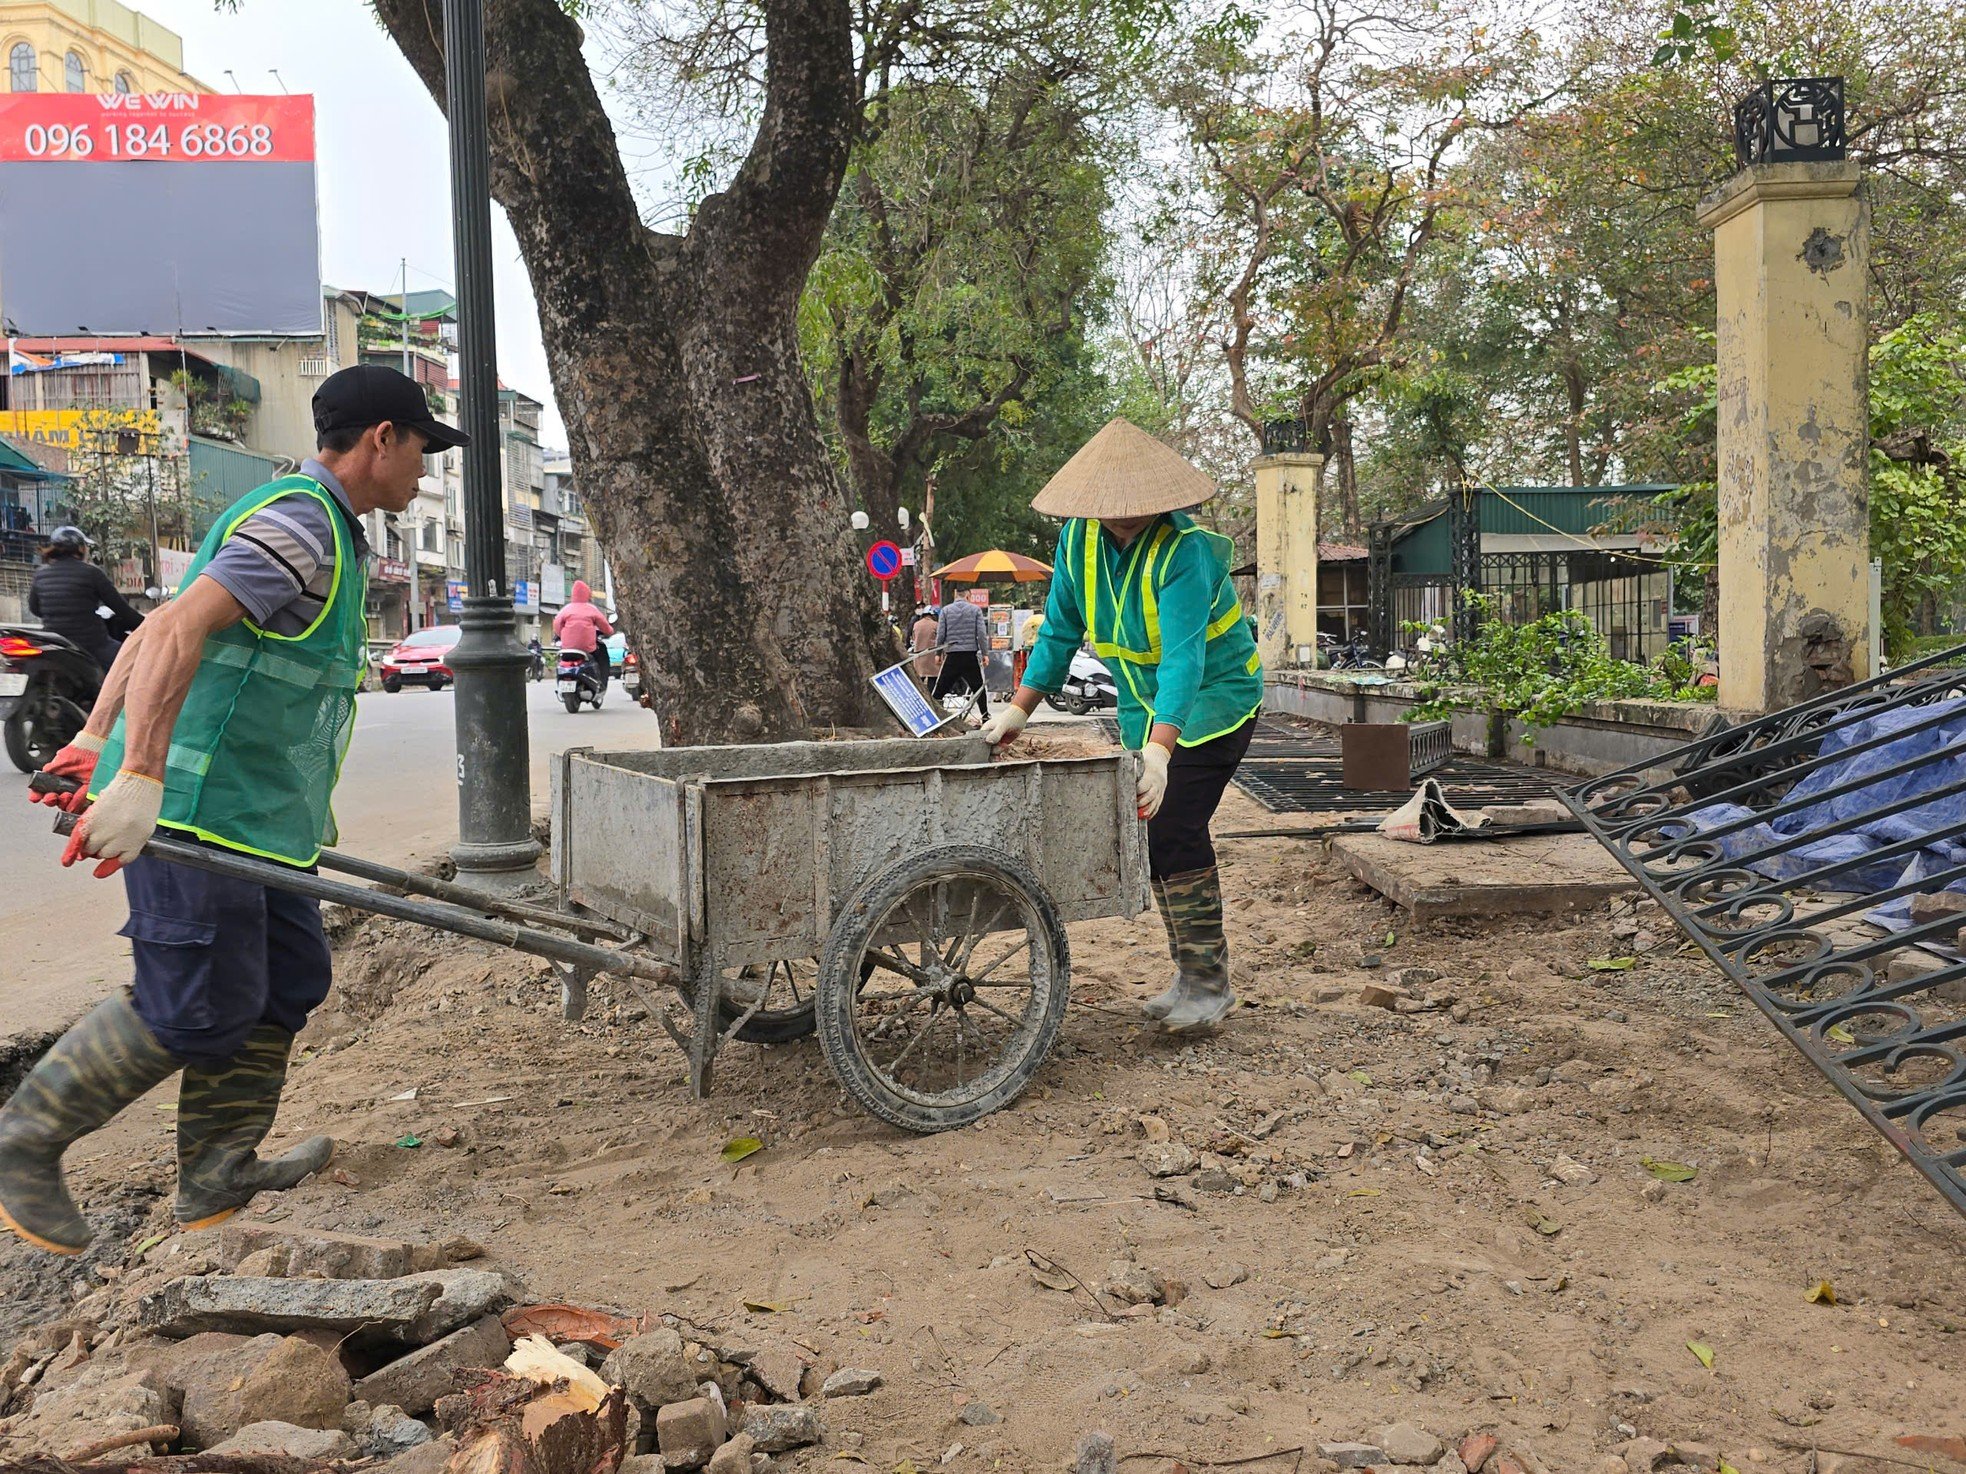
494 796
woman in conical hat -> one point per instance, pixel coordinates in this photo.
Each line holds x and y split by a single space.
1150 591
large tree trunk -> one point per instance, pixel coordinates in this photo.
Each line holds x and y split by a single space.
675 362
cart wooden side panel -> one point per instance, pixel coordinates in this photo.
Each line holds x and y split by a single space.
624 846
781 854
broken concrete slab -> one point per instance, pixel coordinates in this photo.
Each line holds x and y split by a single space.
415 1382
224 1302
688 1433
414 1310
778 1427
1527 876
654 1367
100 1403
264 1379
314 1253
315 1445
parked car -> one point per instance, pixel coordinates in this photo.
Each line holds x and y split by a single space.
418 659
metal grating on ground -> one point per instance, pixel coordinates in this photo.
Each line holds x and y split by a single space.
1295 770
1775 843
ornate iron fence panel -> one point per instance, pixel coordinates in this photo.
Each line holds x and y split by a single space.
1772 843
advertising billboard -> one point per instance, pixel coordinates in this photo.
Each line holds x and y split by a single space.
166 213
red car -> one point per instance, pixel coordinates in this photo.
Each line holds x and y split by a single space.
418 659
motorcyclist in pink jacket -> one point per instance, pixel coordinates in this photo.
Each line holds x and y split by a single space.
580 625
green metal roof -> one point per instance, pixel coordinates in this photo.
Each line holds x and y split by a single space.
1420 542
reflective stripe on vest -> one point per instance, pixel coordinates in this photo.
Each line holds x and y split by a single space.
1152 570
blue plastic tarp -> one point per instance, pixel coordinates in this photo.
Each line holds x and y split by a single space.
1941 749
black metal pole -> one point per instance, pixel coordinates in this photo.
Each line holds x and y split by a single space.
494 796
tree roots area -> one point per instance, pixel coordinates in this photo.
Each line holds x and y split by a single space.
1436 1195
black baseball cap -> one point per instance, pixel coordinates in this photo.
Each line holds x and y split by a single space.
369 393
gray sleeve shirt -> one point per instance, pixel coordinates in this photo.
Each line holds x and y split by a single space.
280 563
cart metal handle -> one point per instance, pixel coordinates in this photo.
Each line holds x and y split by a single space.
443 916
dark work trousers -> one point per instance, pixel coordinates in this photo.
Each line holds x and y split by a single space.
962 671
215 957
1177 837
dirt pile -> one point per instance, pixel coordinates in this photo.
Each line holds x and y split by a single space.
1584 1212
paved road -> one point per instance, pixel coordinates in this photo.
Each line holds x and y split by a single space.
398 799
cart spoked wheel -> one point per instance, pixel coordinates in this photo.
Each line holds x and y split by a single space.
786 994
943 988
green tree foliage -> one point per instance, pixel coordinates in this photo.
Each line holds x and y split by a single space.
1917 498
962 267
1544 670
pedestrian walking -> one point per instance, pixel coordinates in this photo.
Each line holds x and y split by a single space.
224 723
1150 590
921 639
964 634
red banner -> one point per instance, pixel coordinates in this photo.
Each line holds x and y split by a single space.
155 127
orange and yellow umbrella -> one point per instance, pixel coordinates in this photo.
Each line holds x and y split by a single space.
994 565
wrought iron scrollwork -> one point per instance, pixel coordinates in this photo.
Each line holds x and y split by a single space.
1770 843
1790 120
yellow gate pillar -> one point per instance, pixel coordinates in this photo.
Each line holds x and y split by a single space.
1286 556
1791 249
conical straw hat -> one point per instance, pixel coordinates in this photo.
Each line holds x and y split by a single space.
1123 472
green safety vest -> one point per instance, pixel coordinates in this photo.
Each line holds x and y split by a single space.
1122 624
259 742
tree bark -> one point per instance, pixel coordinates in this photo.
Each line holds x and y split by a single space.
675 361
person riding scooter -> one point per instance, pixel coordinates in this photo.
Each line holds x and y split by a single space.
582 626
68 590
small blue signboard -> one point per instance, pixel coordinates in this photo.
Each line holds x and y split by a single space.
454 591
904 698
884 560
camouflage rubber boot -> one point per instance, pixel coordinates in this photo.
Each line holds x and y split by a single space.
100 1065
223 1113
1196 909
1162 1004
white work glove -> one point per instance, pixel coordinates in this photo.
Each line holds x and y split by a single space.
1005 725
1152 787
116 826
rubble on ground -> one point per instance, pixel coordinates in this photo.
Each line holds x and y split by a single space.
1437 1214
380 1352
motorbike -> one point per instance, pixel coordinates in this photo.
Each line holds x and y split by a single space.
47 686
574 680
1089 686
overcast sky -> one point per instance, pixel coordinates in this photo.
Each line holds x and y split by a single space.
381 155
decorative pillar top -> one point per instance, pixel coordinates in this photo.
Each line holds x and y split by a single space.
1790 120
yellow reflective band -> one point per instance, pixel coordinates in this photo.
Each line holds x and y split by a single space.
1222 624
190 759
1211 736
233 844
1091 586
1149 600
337 526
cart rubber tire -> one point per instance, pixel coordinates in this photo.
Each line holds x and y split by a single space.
839 984
770 1026
572 703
